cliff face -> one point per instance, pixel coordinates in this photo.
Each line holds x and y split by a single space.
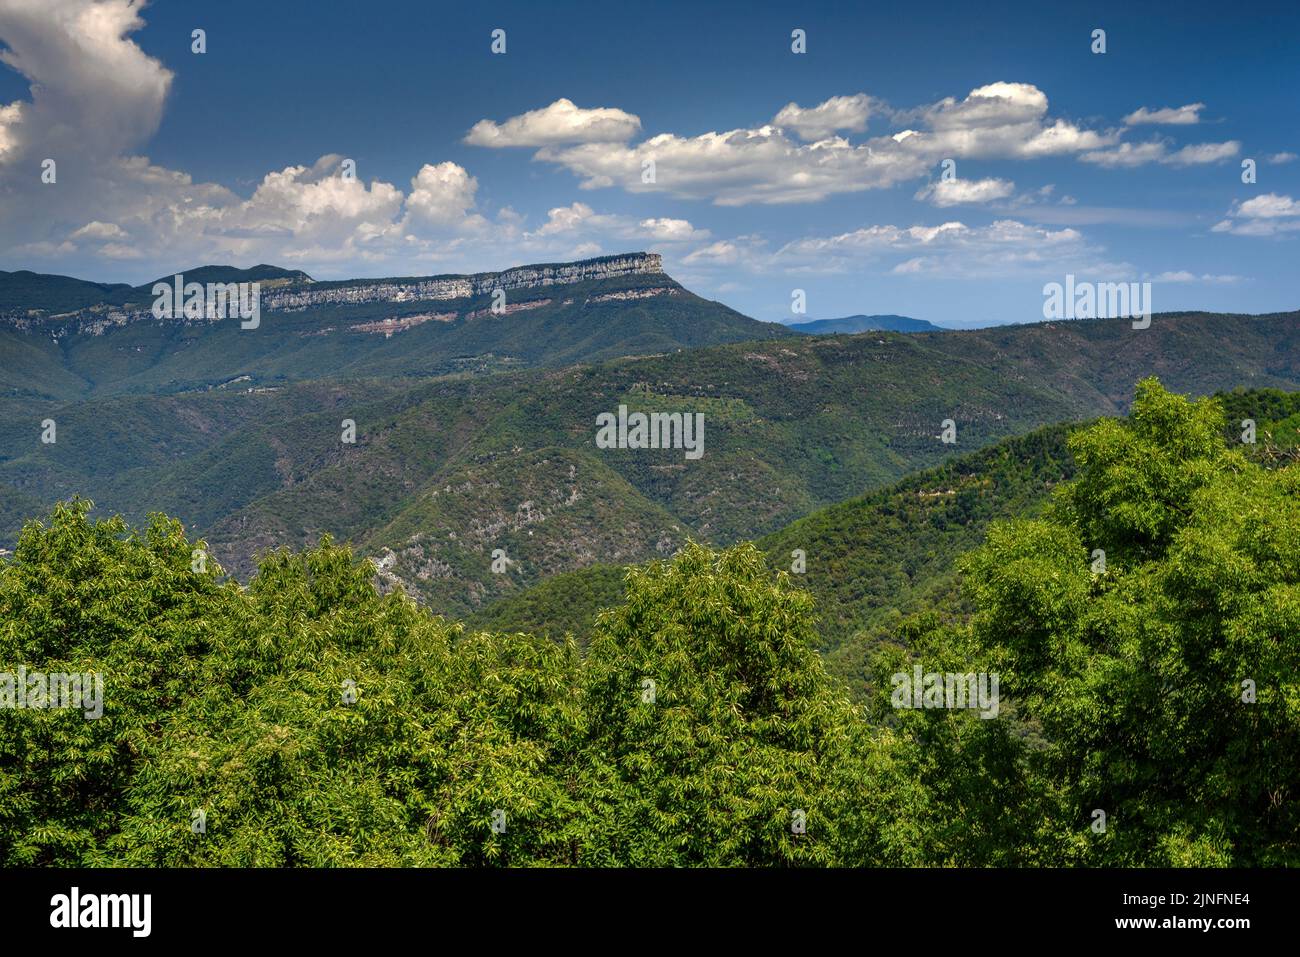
295 296
462 287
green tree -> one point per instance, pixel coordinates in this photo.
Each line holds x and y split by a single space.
1136 674
83 597
715 736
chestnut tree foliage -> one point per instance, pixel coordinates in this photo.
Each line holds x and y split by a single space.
307 720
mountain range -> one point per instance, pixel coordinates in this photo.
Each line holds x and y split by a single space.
57 346
475 430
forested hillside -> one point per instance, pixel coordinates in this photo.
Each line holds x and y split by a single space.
868 561
492 459
873 560
310 720
446 470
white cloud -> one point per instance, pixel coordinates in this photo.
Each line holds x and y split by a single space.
1277 159
1203 153
1188 115
765 165
721 252
1001 120
1268 215
95 230
738 167
958 192
743 250
992 106
10 118
94 92
564 219
910 267
301 213
1128 155
561 122
848 113
1269 206
443 195
581 218
950 250
1182 275
42 249
664 229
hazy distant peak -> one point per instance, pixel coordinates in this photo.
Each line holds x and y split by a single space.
852 324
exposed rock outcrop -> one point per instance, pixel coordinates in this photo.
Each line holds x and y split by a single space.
303 296
297 295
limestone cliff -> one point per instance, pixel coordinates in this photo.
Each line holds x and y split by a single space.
306 295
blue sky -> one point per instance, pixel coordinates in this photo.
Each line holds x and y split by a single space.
1115 167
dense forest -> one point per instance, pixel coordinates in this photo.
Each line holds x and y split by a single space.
1149 712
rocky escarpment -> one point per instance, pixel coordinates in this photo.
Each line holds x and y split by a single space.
305 296
298 295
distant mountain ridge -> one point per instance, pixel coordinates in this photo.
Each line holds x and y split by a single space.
30 293
551 314
26 292
261 273
852 324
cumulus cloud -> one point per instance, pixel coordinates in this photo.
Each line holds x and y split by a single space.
566 219
94 92
303 214
1001 120
443 195
960 192
561 122
1271 214
1188 115
766 165
848 113
737 167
